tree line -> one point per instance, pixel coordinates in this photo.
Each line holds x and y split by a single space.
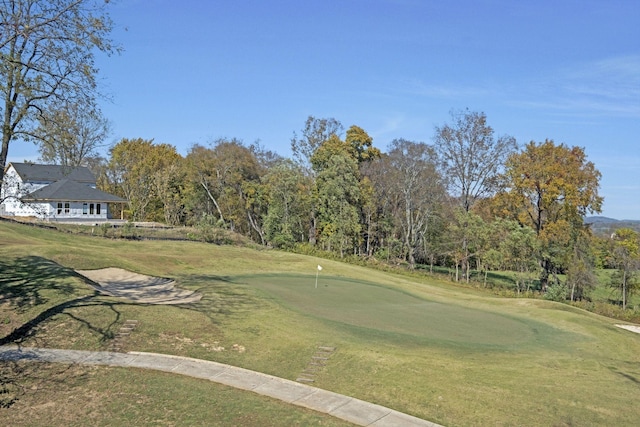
470 201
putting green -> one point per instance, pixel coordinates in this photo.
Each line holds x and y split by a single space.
373 306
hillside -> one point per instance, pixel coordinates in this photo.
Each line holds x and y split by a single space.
602 225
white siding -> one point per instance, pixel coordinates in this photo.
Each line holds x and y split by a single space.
15 188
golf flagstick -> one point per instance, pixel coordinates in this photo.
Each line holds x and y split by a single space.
318 271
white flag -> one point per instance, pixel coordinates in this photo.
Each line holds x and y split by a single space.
319 267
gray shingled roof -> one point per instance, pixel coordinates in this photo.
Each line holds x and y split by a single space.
68 191
30 172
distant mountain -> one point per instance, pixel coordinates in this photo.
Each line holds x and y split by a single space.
605 226
599 220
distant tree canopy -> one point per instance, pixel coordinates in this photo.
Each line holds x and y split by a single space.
625 251
468 202
139 171
315 132
71 135
470 155
550 188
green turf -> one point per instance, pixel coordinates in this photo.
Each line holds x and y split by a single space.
79 396
382 308
448 354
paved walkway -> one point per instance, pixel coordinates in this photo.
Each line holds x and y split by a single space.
347 408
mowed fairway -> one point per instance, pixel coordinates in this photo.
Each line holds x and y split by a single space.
416 344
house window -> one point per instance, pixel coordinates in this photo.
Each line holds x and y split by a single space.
98 208
91 209
85 208
66 207
59 208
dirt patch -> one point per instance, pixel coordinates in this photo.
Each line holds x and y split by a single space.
138 287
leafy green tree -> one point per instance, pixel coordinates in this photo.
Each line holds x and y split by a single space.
255 196
471 156
204 184
601 250
289 203
411 190
487 254
504 244
368 213
519 249
315 133
361 145
581 278
626 258
338 195
556 292
550 188
47 51
137 171
434 242
227 175
380 205
170 189
466 233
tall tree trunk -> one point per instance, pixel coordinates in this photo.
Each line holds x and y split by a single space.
312 229
573 289
213 199
255 226
544 275
3 155
369 235
6 138
7 129
624 289
412 259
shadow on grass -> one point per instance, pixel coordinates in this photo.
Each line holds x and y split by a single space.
19 378
222 295
629 377
29 283
36 284
24 281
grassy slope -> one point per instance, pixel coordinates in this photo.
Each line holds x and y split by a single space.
441 353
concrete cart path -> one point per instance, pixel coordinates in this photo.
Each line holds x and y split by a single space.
344 407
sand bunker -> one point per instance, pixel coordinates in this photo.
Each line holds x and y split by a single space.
631 328
138 287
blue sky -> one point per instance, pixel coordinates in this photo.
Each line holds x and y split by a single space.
196 70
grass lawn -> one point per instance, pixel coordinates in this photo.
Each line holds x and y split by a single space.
65 396
443 353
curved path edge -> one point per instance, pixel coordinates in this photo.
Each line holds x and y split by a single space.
337 405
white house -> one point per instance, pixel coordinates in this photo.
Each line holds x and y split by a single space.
53 192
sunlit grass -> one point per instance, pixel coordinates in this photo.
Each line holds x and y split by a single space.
440 352
72 395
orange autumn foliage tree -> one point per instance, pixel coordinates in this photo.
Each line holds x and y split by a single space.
550 188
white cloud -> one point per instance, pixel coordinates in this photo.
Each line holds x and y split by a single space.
609 87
